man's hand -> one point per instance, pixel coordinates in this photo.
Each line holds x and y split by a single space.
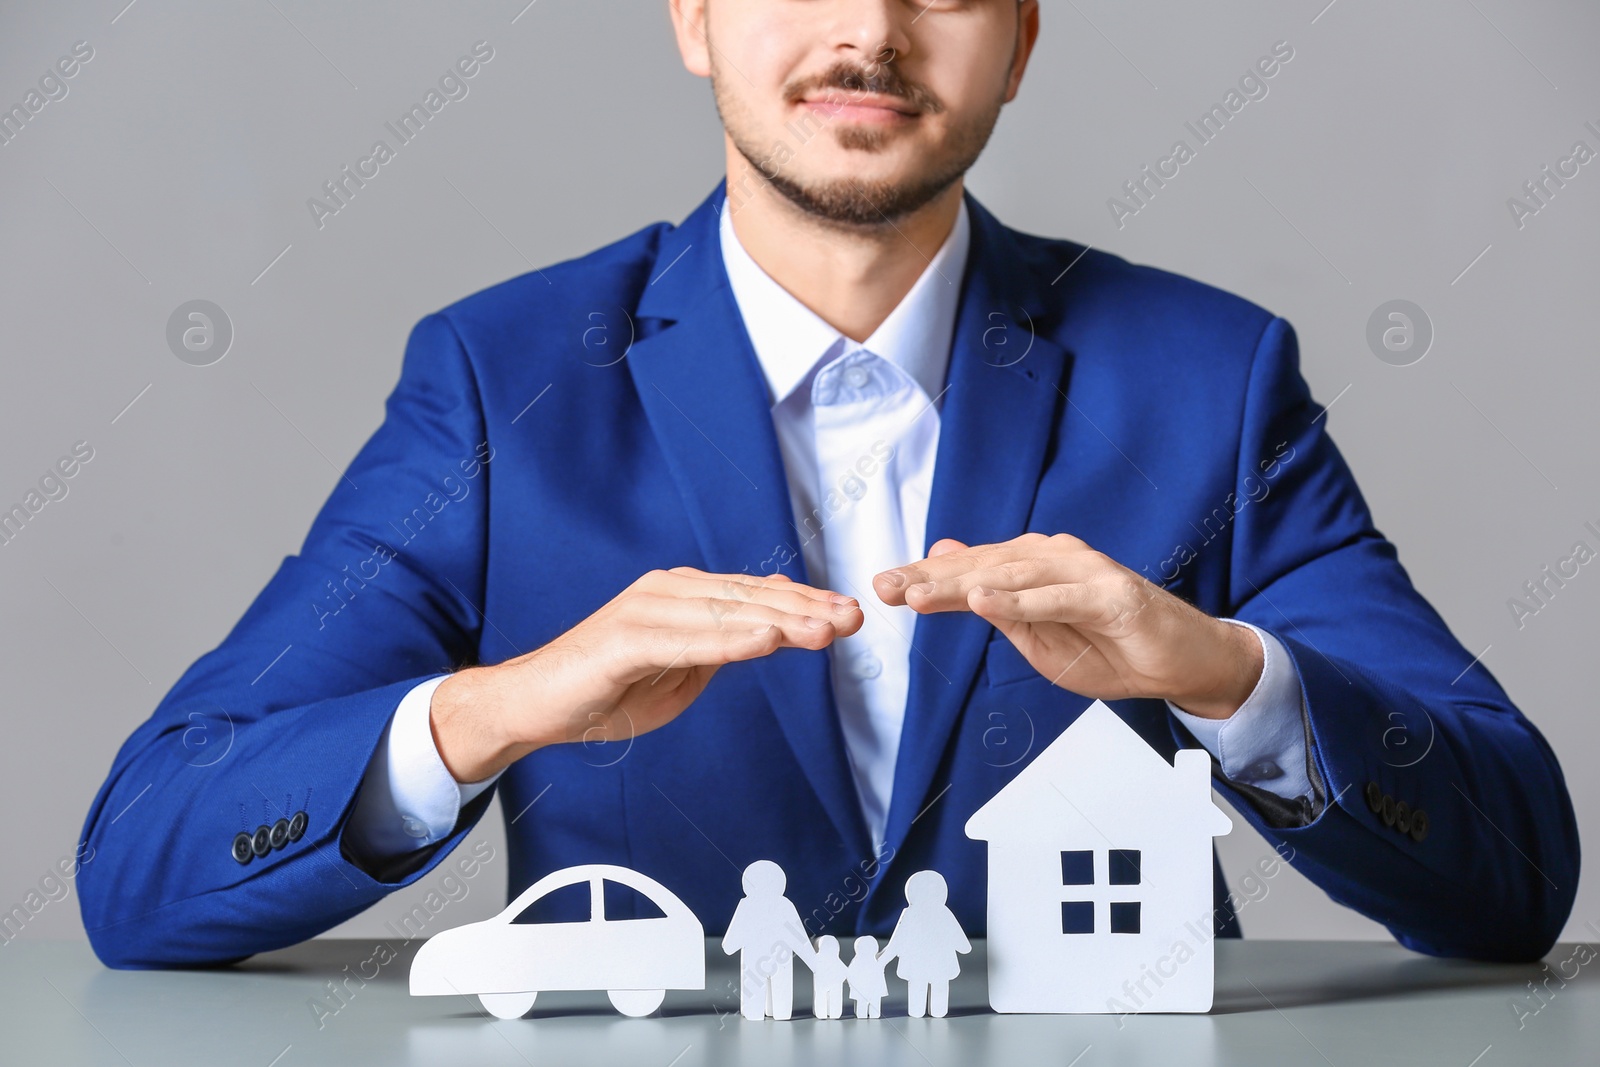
1086 622
629 668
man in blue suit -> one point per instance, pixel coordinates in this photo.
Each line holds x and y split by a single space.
791 531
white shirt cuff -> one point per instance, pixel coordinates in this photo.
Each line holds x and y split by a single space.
1263 743
408 798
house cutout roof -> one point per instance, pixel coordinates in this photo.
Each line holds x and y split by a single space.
1100 771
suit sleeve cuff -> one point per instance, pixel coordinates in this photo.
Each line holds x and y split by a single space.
408 798
1263 744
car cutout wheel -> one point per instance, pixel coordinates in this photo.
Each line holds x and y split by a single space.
637 1002
507 1005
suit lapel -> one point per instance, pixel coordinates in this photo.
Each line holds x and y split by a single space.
704 395
1004 388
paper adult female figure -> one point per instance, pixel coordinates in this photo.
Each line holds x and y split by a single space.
926 941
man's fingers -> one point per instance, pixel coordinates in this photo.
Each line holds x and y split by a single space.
950 563
667 648
891 585
1030 572
775 590
717 613
1064 657
1101 606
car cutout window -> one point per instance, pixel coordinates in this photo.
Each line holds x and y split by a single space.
569 903
623 901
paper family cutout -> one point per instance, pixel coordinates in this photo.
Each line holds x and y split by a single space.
1100 901
766 933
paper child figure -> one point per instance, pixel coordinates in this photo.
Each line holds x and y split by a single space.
867 984
766 933
926 941
828 973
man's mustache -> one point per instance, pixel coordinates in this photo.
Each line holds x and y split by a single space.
884 79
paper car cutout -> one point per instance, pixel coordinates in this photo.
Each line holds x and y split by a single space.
507 964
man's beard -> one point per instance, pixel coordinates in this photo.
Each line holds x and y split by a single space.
859 202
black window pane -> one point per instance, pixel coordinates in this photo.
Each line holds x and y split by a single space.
568 904
1125 918
1077 868
625 902
1124 866
1077 916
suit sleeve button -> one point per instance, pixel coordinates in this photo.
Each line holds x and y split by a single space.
1419 825
1402 817
261 843
279 834
297 826
1389 811
243 850
1374 797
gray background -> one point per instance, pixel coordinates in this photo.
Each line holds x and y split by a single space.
179 164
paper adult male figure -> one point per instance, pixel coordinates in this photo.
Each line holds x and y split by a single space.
766 933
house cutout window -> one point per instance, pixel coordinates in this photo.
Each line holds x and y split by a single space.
1077 868
1122 869
1125 917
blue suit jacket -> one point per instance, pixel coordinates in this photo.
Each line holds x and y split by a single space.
1161 420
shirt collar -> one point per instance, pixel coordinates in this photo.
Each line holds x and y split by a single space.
789 338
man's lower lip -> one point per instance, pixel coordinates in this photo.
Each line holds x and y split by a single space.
858 112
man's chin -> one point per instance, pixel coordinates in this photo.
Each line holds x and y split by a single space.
854 199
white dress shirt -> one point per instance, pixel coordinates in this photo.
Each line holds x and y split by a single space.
858 429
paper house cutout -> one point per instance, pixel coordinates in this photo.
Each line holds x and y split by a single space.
1100 877
507 963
